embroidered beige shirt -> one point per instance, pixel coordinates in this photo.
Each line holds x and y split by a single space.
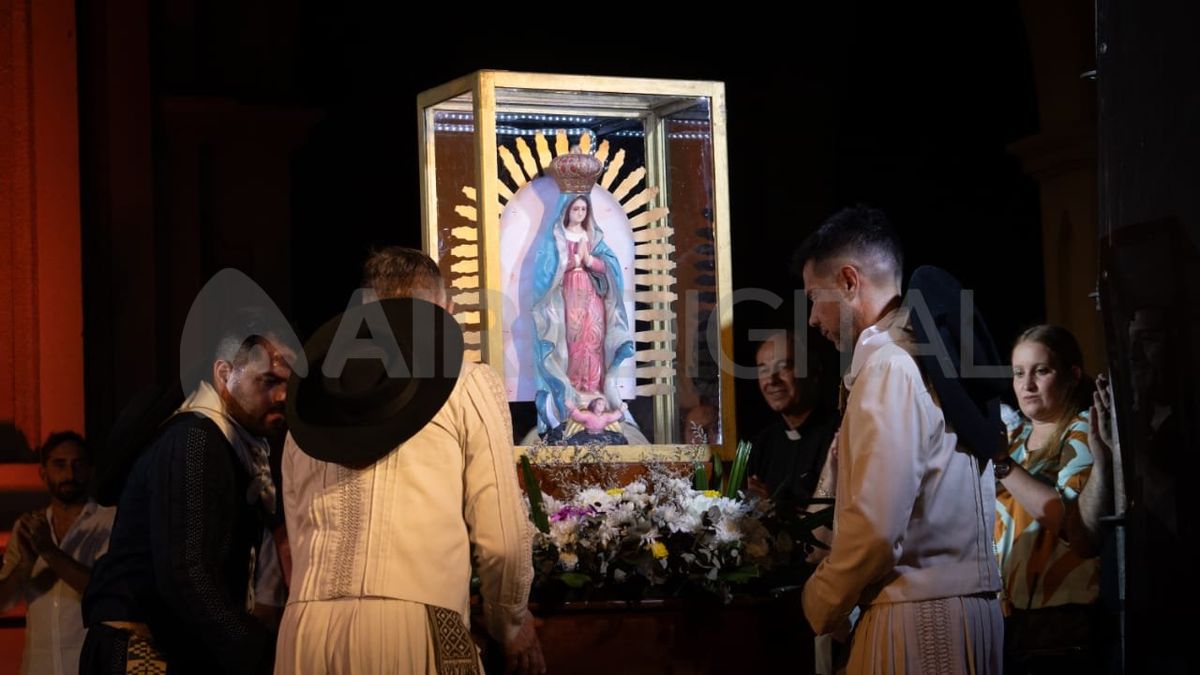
405 526
914 513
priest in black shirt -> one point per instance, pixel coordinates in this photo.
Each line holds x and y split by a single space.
788 455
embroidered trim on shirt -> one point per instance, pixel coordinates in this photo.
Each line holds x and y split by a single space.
501 396
350 507
524 571
142 658
933 629
453 648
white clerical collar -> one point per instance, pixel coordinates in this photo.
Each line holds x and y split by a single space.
792 434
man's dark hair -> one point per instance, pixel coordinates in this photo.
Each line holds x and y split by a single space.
858 232
58 438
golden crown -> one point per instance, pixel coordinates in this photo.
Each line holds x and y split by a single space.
575 172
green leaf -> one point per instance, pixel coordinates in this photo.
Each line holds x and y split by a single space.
737 475
718 466
741 575
575 579
537 512
701 479
731 477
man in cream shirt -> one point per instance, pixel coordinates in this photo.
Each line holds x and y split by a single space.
49 558
383 513
913 519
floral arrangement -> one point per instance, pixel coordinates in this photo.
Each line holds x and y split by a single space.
665 534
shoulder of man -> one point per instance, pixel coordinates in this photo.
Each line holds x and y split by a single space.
184 430
178 425
481 376
891 357
471 369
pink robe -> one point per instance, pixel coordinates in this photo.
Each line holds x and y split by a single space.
584 310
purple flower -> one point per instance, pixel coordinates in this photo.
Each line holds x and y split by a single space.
572 512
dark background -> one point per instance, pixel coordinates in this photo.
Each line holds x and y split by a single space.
280 138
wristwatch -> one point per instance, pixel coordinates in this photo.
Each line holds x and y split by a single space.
1001 466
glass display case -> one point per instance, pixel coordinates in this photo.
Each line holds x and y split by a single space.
582 224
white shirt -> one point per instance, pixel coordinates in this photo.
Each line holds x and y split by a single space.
54 629
405 527
914 513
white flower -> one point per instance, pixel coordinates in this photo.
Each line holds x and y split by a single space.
650 536
550 504
727 531
715 532
595 498
672 488
699 504
732 508
636 494
606 532
564 533
622 514
677 520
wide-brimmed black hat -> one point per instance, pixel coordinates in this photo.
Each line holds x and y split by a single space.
969 394
377 374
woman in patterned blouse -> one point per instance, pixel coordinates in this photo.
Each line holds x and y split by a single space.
1050 589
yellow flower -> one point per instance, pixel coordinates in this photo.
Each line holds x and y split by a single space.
712 493
615 491
659 549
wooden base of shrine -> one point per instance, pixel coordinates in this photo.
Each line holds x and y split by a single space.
677 637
